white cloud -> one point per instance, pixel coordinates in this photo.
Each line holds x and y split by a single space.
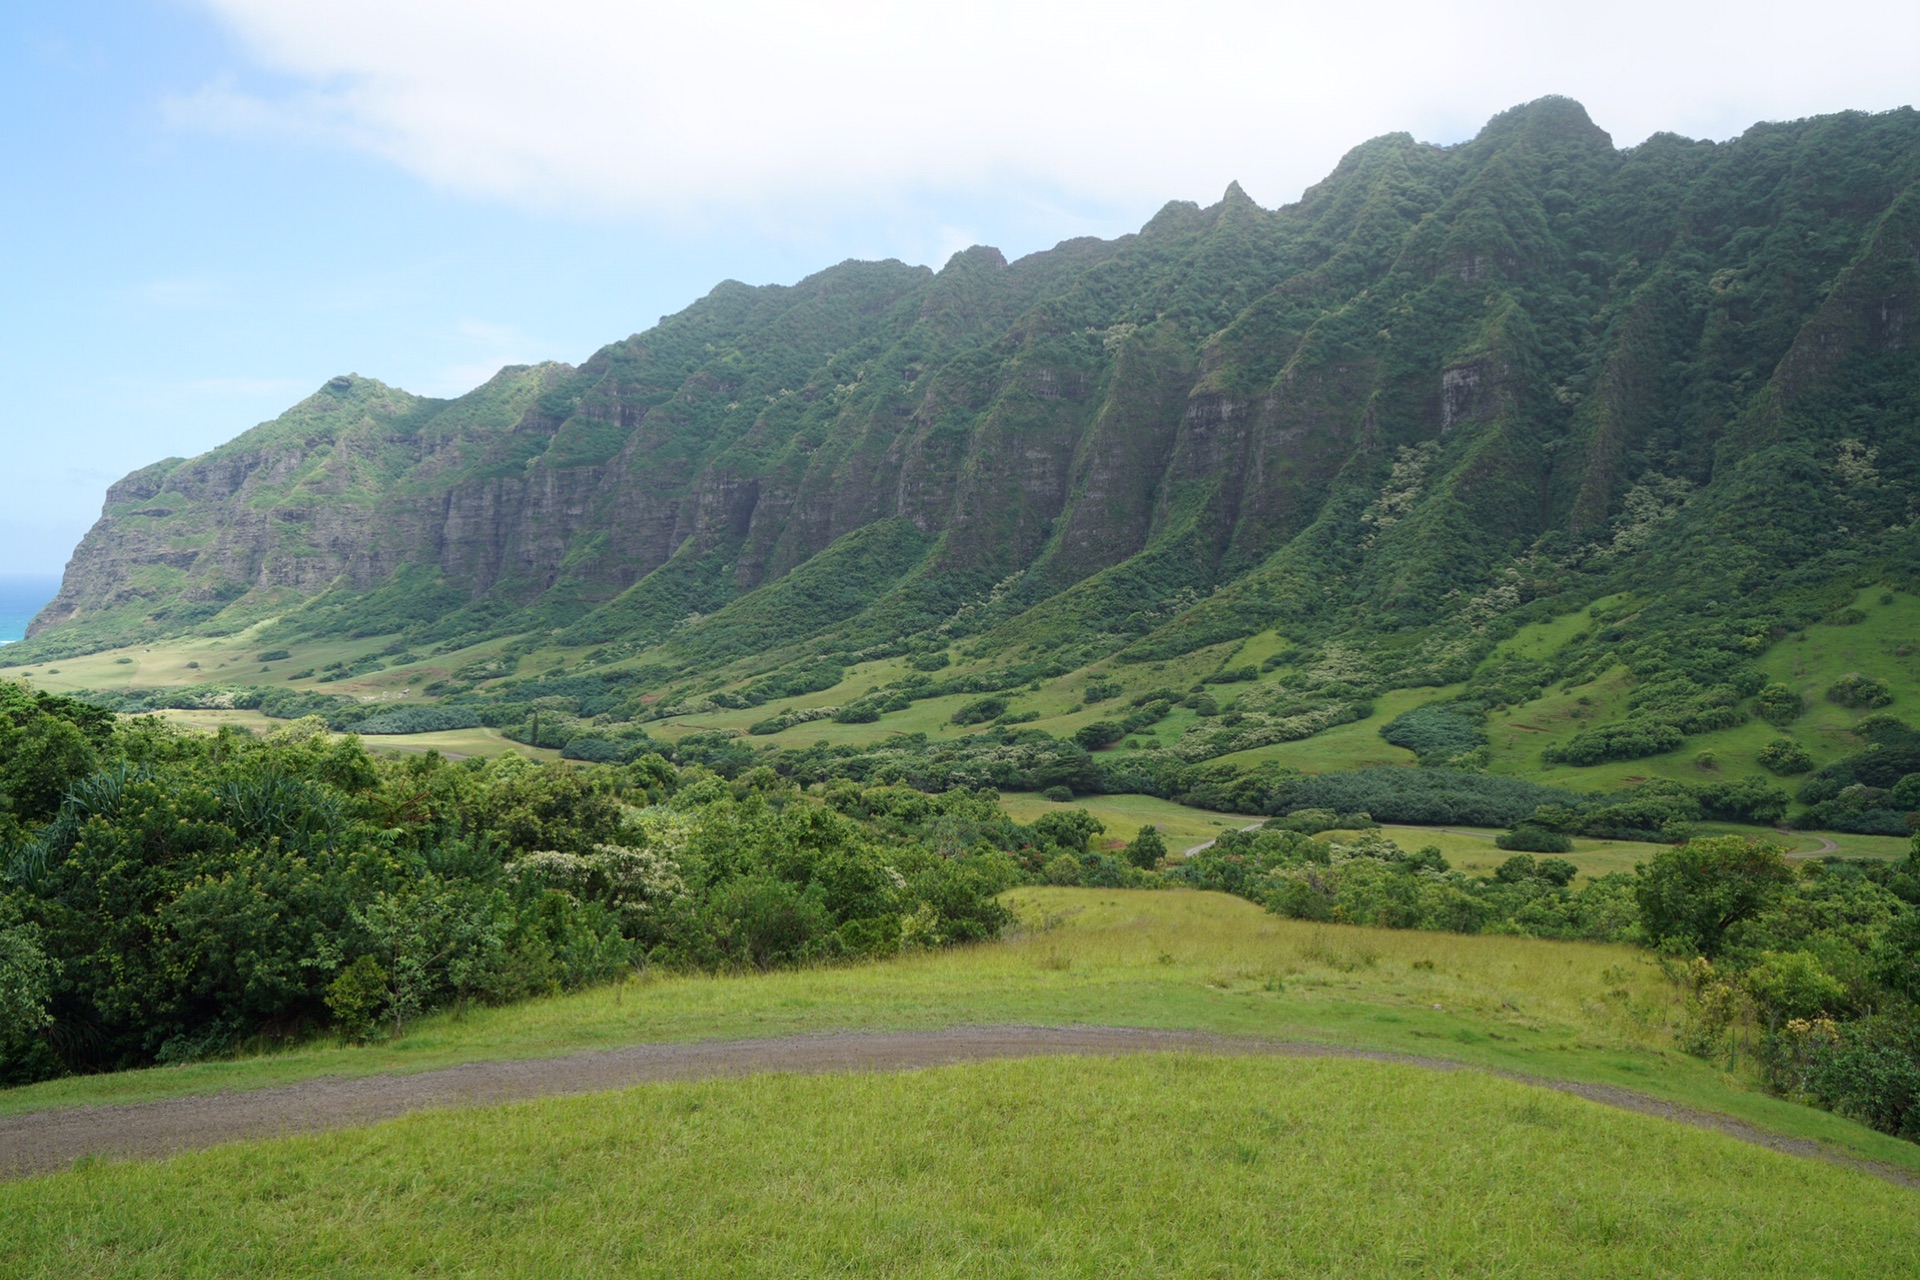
771 110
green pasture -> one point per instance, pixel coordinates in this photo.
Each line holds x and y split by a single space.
1348 746
1885 643
1177 959
1471 849
1124 815
1162 1165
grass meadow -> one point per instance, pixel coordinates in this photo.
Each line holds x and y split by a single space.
1180 825
1164 1165
1173 959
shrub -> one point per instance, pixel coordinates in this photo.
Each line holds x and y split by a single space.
1101 733
1099 691
1858 691
357 996
1071 830
1429 797
1147 848
1533 839
1869 1071
419 720
857 713
1628 740
1062 869
1437 732
979 711
593 750
1059 795
276 655
1778 704
1785 757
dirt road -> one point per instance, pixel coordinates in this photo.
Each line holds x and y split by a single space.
47 1141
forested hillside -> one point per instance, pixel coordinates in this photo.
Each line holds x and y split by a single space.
1531 455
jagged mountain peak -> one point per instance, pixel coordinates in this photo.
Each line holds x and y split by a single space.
1075 443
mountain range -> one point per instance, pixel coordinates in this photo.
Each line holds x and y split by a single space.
1449 394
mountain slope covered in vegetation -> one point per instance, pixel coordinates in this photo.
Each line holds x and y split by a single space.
1531 423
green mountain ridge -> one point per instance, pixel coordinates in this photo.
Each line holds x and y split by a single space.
1451 394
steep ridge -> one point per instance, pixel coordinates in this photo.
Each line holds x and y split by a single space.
1449 391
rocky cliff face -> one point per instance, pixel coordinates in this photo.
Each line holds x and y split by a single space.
1399 386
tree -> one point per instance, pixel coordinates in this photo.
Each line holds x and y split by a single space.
39 762
1691 895
1785 757
26 987
1147 848
1101 733
1069 830
1779 704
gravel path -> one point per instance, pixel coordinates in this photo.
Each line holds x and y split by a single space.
47 1141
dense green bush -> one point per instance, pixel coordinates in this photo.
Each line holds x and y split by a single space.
1438 732
1101 733
1431 797
1628 740
1785 757
166 895
403 720
1856 690
979 711
1692 895
1531 839
1146 848
1779 704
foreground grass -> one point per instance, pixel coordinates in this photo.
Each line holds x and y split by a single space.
1200 961
1162 1165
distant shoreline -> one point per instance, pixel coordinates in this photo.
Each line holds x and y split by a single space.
22 597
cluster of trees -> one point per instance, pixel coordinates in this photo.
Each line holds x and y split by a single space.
1371 880
1814 969
1874 791
165 895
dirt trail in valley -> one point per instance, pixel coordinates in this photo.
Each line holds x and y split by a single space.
47 1141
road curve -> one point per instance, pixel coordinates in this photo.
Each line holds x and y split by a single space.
42 1142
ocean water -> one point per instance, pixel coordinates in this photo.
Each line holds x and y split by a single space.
21 597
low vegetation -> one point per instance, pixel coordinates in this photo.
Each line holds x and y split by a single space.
173 897
1070 1167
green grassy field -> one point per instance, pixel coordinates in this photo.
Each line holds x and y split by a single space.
1809 661
1181 826
1575 1011
1165 1165
1471 849
455 743
1348 746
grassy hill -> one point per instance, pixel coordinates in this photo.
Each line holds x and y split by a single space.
1197 1163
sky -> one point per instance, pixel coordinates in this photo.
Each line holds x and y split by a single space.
212 206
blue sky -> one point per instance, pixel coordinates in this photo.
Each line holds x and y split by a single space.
214 205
